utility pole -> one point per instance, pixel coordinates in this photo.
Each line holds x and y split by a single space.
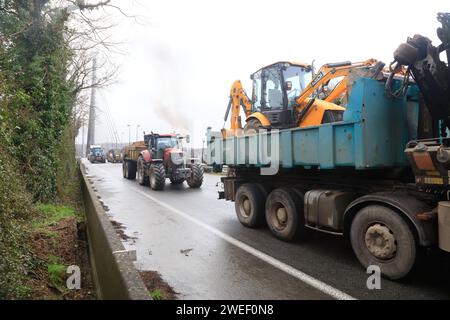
137 128
91 125
82 141
129 133
203 150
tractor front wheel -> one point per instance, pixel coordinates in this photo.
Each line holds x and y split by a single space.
196 178
157 176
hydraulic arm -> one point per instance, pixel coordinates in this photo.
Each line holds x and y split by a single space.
430 73
238 99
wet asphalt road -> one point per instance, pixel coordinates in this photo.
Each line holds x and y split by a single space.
198 246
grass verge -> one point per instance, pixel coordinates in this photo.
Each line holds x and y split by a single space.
58 244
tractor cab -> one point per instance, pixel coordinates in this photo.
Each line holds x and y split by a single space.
275 90
157 144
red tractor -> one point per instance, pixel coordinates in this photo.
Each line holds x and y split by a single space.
158 157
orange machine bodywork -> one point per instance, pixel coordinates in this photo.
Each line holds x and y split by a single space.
314 116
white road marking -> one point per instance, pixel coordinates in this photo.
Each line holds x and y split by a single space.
313 282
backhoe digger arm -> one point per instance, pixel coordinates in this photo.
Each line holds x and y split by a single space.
331 71
238 98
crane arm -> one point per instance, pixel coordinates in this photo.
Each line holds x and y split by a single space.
238 99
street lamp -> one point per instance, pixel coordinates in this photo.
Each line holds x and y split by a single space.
137 127
129 133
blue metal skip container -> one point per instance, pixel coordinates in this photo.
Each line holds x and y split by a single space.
373 134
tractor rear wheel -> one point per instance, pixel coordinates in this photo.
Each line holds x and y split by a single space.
124 169
129 169
196 178
141 177
157 176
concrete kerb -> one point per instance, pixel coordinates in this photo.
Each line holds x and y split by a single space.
114 273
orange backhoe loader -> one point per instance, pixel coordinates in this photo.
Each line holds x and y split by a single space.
287 95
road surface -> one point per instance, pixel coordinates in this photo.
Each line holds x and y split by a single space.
198 246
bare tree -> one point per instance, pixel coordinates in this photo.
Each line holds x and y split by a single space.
88 35
87 31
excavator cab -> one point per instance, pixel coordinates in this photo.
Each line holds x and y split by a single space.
275 90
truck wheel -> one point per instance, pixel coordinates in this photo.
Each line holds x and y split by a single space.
157 176
249 205
176 181
284 214
379 236
196 178
141 177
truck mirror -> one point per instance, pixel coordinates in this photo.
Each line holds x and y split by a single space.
188 138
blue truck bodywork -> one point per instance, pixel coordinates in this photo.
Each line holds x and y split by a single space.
373 134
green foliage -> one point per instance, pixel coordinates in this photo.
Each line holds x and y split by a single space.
36 103
15 207
67 174
39 99
56 272
53 213
156 294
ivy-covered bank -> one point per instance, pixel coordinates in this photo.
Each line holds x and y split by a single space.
37 160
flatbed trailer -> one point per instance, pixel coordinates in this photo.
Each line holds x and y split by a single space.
357 178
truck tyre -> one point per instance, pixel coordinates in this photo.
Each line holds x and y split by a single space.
196 178
176 181
141 177
249 205
284 214
252 126
380 236
157 176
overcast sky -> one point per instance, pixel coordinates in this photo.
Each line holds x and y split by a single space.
182 57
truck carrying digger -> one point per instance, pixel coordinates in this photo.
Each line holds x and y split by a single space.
376 171
158 157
